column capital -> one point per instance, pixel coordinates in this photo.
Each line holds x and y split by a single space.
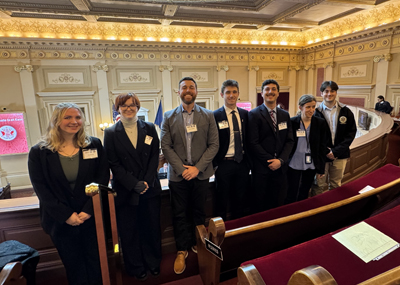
222 67
255 68
19 68
295 67
386 57
165 67
331 64
309 66
98 67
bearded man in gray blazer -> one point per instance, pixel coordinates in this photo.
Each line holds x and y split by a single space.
189 140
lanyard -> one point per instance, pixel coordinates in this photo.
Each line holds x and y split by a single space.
305 130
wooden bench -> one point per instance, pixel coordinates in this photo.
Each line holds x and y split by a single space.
336 264
11 274
276 229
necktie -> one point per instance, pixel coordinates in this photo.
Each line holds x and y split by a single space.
238 142
273 119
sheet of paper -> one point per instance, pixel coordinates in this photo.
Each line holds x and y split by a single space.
365 241
366 189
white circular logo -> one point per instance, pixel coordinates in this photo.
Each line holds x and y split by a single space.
7 133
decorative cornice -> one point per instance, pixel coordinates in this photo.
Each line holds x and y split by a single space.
386 57
165 67
96 68
19 68
222 67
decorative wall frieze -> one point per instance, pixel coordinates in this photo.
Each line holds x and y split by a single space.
386 57
255 68
327 64
165 67
222 67
19 68
98 67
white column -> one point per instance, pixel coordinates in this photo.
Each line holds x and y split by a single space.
329 72
104 100
381 78
311 76
292 91
253 87
167 88
221 78
28 93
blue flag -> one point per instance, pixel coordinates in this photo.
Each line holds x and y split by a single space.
115 114
159 116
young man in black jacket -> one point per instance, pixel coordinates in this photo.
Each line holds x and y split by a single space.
341 133
382 105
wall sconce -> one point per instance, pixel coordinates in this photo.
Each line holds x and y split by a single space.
105 126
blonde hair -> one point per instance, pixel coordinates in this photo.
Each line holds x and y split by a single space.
53 138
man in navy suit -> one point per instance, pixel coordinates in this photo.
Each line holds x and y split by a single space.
231 161
271 142
189 140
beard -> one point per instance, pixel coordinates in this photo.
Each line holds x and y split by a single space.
188 99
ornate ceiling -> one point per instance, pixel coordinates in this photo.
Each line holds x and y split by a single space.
269 22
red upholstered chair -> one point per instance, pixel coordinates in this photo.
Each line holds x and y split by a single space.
276 229
344 266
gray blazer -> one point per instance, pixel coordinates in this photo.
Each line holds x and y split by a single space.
204 142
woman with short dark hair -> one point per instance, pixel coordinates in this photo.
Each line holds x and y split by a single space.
308 154
132 147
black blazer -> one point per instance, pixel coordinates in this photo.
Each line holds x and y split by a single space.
317 139
224 134
130 165
264 142
57 201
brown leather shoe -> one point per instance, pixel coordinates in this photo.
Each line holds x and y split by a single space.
194 249
180 265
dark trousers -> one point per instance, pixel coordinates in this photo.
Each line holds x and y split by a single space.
140 233
78 250
188 199
269 189
232 180
299 184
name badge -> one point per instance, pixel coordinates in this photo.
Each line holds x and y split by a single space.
282 126
89 153
148 140
191 128
223 125
300 133
308 158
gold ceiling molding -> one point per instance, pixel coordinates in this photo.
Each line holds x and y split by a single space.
361 21
57 29
200 37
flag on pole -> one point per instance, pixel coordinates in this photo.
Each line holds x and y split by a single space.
159 116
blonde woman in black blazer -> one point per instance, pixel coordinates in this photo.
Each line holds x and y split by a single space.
132 148
307 159
60 166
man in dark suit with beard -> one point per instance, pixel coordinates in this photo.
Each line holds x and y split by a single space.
231 161
270 142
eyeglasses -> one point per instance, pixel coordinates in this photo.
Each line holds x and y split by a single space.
128 106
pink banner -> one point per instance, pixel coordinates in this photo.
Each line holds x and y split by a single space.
244 105
12 134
